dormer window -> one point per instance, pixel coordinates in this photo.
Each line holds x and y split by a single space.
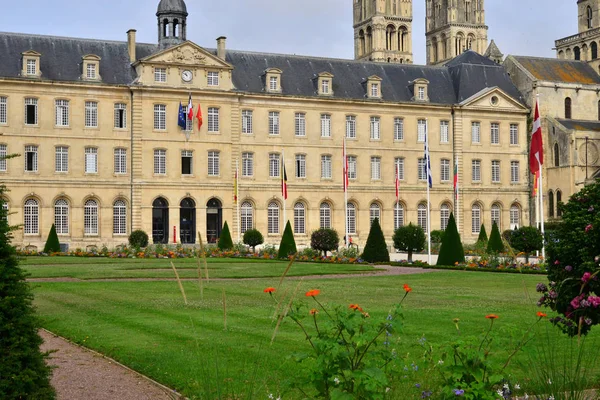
273 83
324 84
373 87
91 67
420 89
31 67
91 71
421 95
273 80
31 64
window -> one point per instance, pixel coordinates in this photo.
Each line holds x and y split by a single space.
90 218
351 219
325 125
374 89
495 133
352 167
326 167
398 216
475 218
325 216
160 74
5 210
422 216
444 135
247 122
31 108
91 160
475 132
496 216
399 167
61 217
62 112
421 130
325 86
514 134
515 216
186 162
556 155
590 15
274 123
550 204
213 163
246 216
445 170
31 214
568 108
3 111
213 119
3 160
91 71
421 93
300 166
31 158
91 114
421 169
119 218
375 128
476 170
160 117
61 159
444 216
496 171
120 158
31 67
120 116
299 219
247 164
558 203
398 129
514 172
375 168
274 165
213 78
374 212
350 126
273 84
160 162
300 124
273 218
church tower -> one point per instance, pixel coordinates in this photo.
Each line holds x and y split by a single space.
583 45
172 23
454 26
383 30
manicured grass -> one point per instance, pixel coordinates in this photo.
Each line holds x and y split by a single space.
146 326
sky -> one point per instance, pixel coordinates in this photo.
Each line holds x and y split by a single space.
305 27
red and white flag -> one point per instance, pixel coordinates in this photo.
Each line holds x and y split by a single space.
284 191
345 161
199 117
397 185
536 178
536 152
190 110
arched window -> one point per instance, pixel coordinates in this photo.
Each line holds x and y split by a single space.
577 53
402 39
31 217
590 15
515 216
299 218
90 217
550 204
422 216
176 28
273 217
390 37
568 108
497 215
444 216
351 218
61 217
166 27
374 212
556 155
594 49
361 42
325 216
476 218
434 50
398 215
558 203
246 216
119 218
369 40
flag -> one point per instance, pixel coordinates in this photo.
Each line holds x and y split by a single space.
397 185
181 121
536 178
235 185
345 167
190 110
536 152
456 181
199 117
428 161
284 191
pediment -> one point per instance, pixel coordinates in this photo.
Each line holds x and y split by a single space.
493 98
187 53
31 53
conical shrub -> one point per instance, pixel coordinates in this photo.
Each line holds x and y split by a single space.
52 243
225 242
452 250
375 249
495 244
287 246
483 238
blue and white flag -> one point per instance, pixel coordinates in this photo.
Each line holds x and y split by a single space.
182 117
428 160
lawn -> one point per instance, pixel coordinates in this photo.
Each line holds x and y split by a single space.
146 326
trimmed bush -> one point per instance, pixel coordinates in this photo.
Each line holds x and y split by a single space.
495 244
324 240
23 370
253 238
138 239
409 238
375 249
452 250
287 246
225 242
437 236
52 243
526 239
483 237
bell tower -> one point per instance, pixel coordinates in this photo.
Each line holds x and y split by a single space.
383 30
172 24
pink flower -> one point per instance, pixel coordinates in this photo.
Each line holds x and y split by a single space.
588 228
594 301
586 277
575 302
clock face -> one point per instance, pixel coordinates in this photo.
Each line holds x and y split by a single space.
187 76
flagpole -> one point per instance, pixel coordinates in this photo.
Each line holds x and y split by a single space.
237 198
345 179
537 206
456 200
282 172
427 166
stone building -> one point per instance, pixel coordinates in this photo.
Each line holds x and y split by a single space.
101 154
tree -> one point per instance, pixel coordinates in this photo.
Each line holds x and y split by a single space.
483 238
225 242
495 244
324 240
253 238
526 239
452 250
376 249
409 238
23 370
138 239
52 243
287 246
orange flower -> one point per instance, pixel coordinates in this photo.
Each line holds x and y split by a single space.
541 314
407 288
491 316
355 307
314 311
313 293
269 290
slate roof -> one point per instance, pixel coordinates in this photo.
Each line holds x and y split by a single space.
461 78
493 51
556 70
580 125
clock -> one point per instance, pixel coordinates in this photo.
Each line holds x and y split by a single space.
187 76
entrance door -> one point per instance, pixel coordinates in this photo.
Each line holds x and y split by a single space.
160 221
214 220
187 221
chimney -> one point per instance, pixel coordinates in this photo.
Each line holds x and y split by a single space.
221 51
131 45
